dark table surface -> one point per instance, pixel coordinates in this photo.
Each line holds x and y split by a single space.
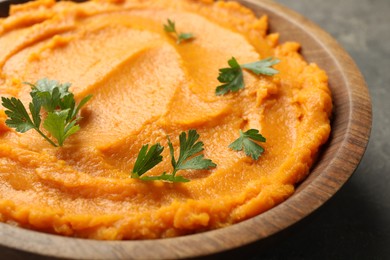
355 223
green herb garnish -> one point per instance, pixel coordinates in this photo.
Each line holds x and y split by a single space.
233 78
245 141
187 160
60 105
171 28
146 160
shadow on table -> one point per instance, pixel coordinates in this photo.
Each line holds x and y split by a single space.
352 225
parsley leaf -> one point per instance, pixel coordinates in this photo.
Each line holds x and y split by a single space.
146 160
184 36
170 27
49 92
263 66
189 147
35 109
187 160
233 76
19 119
56 100
250 147
18 116
56 124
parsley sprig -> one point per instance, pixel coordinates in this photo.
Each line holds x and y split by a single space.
233 78
246 142
170 27
187 160
147 159
60 105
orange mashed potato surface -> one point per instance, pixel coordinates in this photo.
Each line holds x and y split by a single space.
145 87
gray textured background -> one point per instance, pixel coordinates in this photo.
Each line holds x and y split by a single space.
355 223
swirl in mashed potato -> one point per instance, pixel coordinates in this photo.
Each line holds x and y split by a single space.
145 87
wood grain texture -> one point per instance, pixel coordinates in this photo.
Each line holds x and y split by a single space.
351 125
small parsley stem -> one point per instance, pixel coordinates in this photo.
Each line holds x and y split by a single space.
47 139
174 172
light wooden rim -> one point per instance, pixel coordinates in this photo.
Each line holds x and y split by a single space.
342 156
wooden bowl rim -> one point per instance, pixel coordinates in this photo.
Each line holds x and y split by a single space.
353 142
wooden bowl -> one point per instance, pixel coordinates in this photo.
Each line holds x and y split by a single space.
351 124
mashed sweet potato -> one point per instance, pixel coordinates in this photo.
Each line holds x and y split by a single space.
145 86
